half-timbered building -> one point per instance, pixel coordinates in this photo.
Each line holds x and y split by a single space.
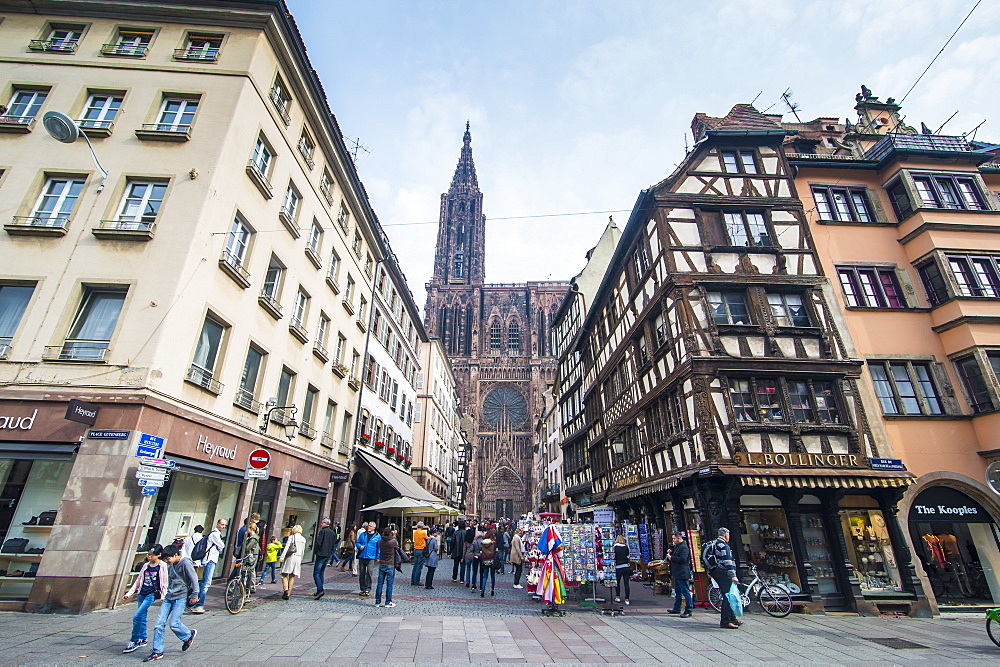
721 388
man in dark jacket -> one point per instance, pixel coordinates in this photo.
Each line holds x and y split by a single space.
458 552
722 568
326 542
680 572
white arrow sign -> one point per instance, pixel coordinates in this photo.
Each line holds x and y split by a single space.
159 463
156 469
151 482
160 476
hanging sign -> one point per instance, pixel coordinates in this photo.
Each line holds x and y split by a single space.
81 411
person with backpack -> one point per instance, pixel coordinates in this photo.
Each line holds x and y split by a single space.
367 550
206 552
181 585
503 548
488 564
149 586
718 559
458 552
291 560
623 569
680 572
188 545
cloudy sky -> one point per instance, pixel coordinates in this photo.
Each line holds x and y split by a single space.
577 105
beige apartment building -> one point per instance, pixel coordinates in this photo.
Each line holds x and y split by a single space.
209 291
437 433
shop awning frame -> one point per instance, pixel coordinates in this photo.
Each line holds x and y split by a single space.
403 483
821 478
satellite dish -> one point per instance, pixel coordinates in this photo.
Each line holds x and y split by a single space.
60 127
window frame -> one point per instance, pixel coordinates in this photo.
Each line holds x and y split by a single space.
124 220
60 216
854 209
38 97
239 237
81 320
858 296
885 379
107 112
13 320
780 407
739 161
183 111
981 273
788 318
944 190
724 301
730 219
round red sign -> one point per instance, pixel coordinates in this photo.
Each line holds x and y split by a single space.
259 459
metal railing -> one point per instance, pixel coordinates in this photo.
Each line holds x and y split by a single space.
281 105
89 124
44 220
917 142
134 50
203 378
307 155
127 225
253 170
167 128
244 399
13 119
295 326
268 299
819 156
210 55
58 45
234 263
306 430
77 350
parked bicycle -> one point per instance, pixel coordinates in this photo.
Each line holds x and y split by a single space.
993 624
239 590
772 598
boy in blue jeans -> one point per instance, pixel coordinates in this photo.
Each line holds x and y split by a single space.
149 586
182 588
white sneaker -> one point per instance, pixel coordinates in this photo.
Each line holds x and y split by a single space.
518 586
391 604
626 602
618 599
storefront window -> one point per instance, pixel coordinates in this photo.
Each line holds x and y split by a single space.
768 545
187 501
303 510
30 493
818 550
870 551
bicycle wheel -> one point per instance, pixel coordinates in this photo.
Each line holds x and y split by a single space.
993 630
715 598
235 596
775 600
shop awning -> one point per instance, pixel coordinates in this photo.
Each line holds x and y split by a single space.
403 483
819 478
653 487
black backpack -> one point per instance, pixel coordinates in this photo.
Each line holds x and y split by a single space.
709 557
200 549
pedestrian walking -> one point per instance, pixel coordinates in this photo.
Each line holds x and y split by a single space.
188 545
488 563
212 549
680 572
271 552
517 556
367 551
475 559
449 539
431 555
291 560
458 552
182 583
721 566
503 549
623 569
149 586
419 544
386 555
347 550
326 541
469 559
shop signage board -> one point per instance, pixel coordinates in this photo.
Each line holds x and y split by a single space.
159 463
604 515
150 445
339 477
993 476
82 412
95 434
940 503
148 490
153 468
887 464
798 460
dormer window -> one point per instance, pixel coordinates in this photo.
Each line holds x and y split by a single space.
739 162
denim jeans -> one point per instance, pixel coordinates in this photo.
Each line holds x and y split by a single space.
488 572
682 591
139 620
318 570
271 567
365 574
430 577
472 572
206 581
418 566
387 575
170 612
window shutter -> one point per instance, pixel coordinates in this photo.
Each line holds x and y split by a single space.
712 230
945 388
416 410
420 380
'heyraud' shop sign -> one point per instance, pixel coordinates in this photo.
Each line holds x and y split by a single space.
940 503
13 422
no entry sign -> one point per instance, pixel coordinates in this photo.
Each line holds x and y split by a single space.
258 464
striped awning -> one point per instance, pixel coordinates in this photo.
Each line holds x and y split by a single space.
819 478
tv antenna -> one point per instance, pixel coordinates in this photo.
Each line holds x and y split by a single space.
792 106
356 146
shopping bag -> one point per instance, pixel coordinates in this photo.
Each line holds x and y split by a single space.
734 599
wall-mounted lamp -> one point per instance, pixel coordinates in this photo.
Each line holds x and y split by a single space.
291 426
63 128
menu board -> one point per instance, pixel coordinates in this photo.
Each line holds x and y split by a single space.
694 538
644 543
658 544
632 540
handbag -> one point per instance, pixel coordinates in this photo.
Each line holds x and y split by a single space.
293 547
401 556
15 545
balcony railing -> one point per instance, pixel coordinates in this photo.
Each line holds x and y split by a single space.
307 431
14 124
331 280
342 448
917 142
327 440
43 225
164 132
259 179
233 266
195 53
130 50
244 399
203 378
314 257
281 105
327 191
307 155
96 128
57 45
270 303
296 329
125 228
77 350
819 156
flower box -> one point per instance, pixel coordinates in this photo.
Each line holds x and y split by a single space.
379 444
390 451
366 438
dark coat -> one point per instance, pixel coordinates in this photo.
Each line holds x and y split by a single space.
326 541
680 561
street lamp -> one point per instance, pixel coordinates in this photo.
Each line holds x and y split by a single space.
617 447
291 426
63 128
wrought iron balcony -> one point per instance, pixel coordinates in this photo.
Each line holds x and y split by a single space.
164 132
56 45
94 351
197 53
307 431
41 225
203 378
125 228
233 266
244 399
921 143
129 50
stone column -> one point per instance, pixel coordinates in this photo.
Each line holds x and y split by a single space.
280 500
888 502
800 550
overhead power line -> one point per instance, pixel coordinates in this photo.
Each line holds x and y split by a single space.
512 217
940 52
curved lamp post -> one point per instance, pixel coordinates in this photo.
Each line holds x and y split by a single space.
63 128
291 426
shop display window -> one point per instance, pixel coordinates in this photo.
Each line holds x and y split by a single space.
818 550
303 510
870 551
768 545
30 493
960 559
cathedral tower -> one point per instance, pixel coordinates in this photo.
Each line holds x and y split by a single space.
461 243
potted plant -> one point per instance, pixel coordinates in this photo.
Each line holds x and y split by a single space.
391 450
366 438
379 444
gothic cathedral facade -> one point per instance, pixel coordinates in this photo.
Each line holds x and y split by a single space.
499 340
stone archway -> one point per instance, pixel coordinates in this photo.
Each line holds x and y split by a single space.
503 495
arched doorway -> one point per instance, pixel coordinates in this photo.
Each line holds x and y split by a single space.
957 543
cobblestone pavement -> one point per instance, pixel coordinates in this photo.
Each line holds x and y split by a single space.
451 624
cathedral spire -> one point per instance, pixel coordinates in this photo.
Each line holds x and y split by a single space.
465 179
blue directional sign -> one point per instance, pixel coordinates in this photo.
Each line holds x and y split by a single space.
108 435
887 464
150 445
147 490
